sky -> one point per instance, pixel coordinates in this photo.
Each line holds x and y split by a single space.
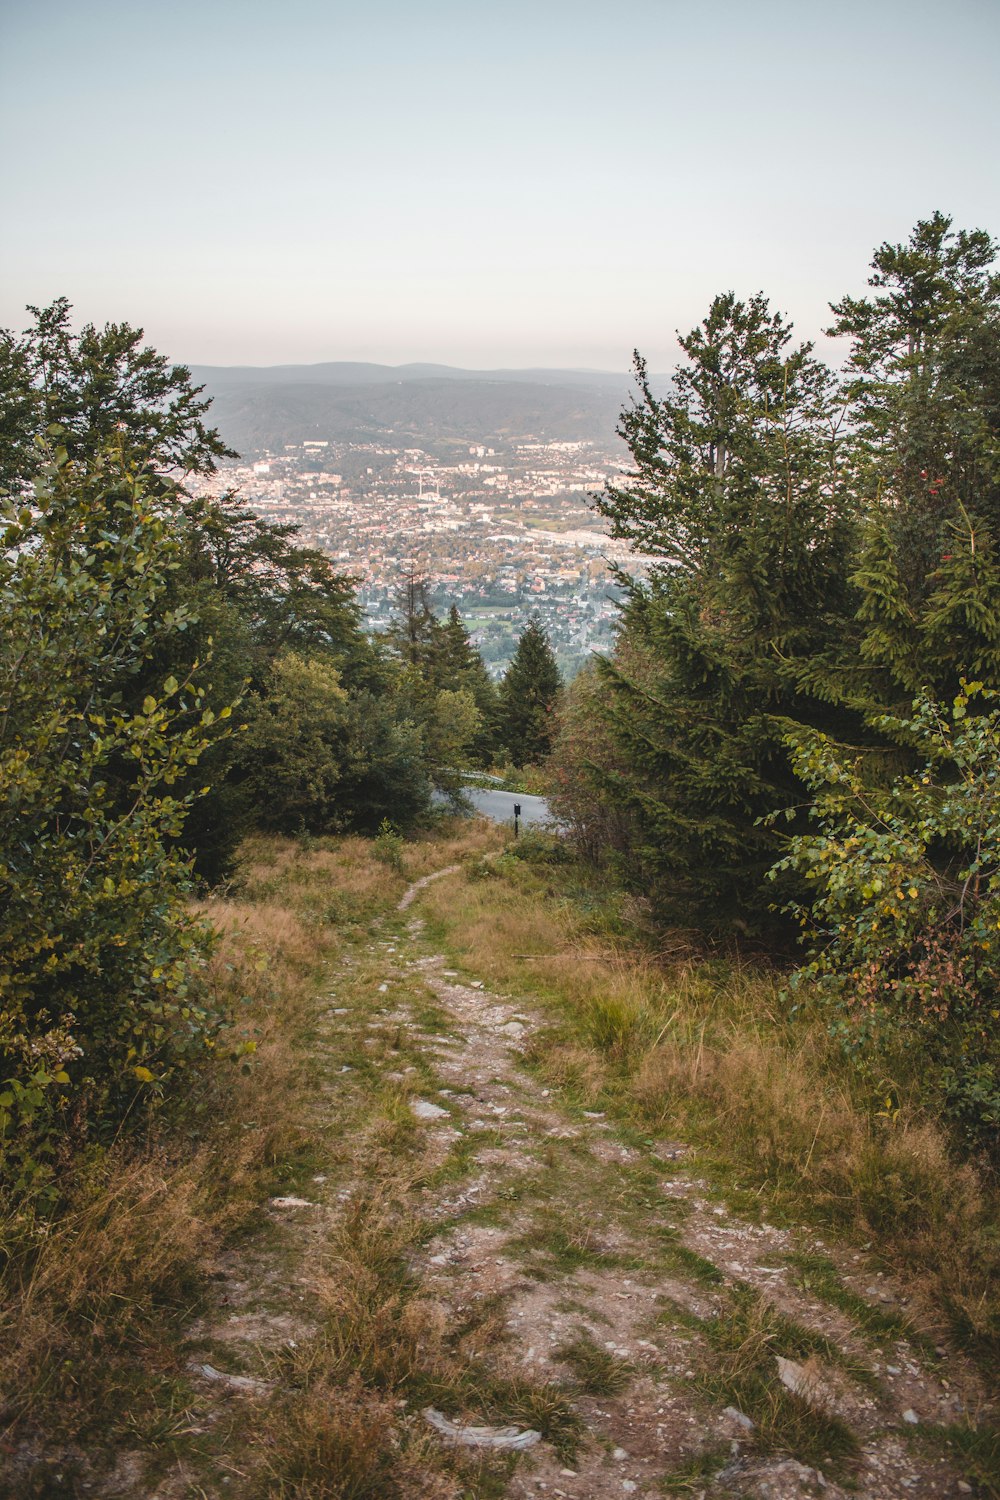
476 182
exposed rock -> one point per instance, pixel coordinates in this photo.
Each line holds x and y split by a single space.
803 1381
423 1109
234 1382
481 1437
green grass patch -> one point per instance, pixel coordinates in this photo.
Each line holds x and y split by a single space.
692 1476
818 1274
744 1339
597 1371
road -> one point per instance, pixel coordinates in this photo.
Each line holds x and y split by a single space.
499 806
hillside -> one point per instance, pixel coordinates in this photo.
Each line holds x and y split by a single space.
257 408
506 1205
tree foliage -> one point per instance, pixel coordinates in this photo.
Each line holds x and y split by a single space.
528 698
100 386
828 576
739 484
903 879
444 683
134 618
98 992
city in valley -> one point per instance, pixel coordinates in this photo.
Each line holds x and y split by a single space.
504 531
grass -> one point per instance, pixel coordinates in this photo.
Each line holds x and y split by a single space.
95 1301
598 1372
706 1049
385 1346
693 1476
744 1340
553 1246
95 1304
976 1450
818 1274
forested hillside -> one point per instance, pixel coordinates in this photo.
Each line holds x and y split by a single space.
350 404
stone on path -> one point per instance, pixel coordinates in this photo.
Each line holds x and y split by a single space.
423 1109
481 1437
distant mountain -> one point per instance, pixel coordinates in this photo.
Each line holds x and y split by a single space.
428 406
351 373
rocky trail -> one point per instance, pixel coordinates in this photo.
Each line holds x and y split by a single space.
599 1277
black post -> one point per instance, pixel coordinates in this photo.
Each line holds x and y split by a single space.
517 814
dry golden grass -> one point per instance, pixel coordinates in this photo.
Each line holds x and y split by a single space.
92 1305
351 1421
91 1302
710 1051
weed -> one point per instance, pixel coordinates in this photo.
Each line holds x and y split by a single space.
976 1449
388 846
597 1371
565 1247
708 1050
690 1477
745 1338
819 1275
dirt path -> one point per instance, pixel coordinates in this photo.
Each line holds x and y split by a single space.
588 1269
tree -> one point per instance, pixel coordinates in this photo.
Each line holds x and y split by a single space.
463 669
739 483
528 697
98 994
444 682
904 895
99 386
320 759
246 589
414 629
924 385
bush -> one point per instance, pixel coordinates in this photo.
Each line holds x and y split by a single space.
904 919
388 846
98 950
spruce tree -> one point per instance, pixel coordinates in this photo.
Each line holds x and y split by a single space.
924 384
830 550
528 696
462 667
737 484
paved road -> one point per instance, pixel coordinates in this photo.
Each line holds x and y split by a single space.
500 806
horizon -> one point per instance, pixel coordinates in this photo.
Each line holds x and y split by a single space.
546 189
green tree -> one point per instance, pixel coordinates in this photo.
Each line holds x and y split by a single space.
318 758
739 483
463 669
443 682
903 910
100 386
924 384
528 696
98 992
415 630
247 590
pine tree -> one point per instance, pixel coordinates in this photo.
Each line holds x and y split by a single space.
415 629
829 552
737 485
462 667
528 697
924 384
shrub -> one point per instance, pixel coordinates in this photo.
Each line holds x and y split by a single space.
98 951
388 847
904 919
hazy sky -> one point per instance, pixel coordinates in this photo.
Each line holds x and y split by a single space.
492 182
